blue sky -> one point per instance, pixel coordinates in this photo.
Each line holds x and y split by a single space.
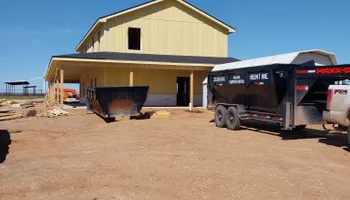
33 31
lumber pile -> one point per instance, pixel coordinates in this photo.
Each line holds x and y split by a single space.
27 104
161 114
5 102
8 114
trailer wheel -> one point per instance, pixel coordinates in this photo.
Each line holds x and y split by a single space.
232 121
220 116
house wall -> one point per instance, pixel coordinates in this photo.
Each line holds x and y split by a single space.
162 83
88 78
166 28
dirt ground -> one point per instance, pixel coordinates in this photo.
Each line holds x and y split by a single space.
183 157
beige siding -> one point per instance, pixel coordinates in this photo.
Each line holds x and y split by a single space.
167 28
160 81
98 46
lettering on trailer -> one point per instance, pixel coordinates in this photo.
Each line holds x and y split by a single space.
341 92
237 80
333 70
219 79
259 76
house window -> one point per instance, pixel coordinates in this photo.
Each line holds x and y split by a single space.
134 38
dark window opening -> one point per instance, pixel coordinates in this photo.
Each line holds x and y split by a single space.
134 37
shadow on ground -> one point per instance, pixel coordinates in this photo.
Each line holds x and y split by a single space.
336 139
5 141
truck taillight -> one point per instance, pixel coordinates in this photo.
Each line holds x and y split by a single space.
329 98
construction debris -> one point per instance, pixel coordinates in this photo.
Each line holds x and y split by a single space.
5 102
17 105
56 112
27 104
5 110
160 114
10 116
30 113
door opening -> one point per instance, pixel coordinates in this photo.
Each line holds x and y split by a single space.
183 91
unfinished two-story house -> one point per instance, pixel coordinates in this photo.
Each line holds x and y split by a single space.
168 45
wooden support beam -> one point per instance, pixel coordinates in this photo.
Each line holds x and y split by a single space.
61 87
57 99
191 90
49 92
131 78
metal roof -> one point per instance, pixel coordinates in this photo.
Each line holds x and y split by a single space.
18 82
30 86
288 58
149 57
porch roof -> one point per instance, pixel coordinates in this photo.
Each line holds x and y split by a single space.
74 64
150 57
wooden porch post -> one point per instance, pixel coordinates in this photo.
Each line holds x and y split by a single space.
191 90
131 78
62 86
57 98
52 93
49 92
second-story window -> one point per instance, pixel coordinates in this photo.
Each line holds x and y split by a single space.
134 39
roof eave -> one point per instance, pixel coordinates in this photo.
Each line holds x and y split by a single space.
89 32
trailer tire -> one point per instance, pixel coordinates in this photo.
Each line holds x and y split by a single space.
220 116
232 121
349 135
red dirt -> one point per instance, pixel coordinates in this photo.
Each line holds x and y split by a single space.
183 157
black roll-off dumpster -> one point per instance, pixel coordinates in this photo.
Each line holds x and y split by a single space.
111 102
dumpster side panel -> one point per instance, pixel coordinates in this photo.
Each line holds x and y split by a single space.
121 101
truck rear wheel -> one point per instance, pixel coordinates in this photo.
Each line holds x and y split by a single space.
220 116
232 121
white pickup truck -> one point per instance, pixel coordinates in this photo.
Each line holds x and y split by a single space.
338 106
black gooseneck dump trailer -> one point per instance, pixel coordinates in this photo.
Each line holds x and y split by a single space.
292 96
